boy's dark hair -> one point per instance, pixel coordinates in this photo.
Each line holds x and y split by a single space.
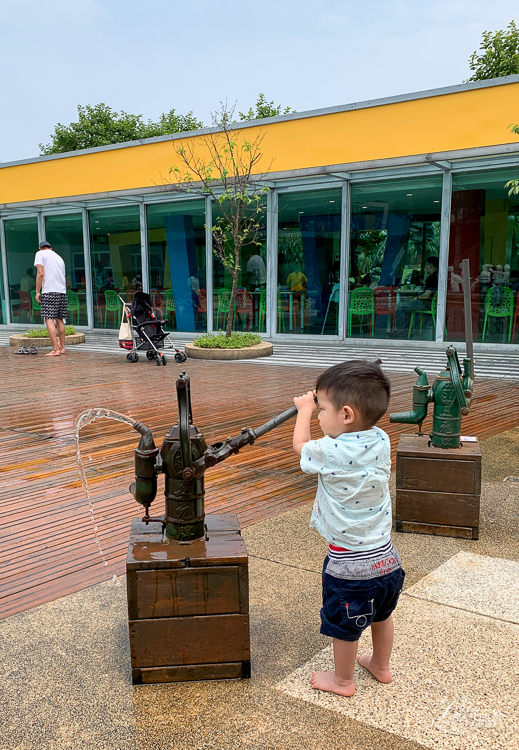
358 383
434 261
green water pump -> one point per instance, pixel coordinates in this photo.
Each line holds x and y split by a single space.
450 393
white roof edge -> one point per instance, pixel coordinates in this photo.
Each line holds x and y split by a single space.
426 94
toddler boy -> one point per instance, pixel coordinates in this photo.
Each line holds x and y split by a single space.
362 574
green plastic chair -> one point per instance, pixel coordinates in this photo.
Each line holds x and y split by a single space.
505 309
112 304
263 312
35 305
362 302
421 313
73 305
222 309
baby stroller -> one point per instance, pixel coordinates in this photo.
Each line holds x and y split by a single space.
148 334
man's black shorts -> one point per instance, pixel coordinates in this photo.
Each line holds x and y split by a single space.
54 305
349 607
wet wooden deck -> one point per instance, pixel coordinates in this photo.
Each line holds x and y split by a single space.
47 542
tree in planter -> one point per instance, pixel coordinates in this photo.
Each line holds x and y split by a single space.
224 165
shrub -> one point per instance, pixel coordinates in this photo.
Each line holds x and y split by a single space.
42 333
236 340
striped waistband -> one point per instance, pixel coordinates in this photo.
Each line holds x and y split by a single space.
373 563
339 553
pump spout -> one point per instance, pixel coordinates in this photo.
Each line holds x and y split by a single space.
144 489
421 398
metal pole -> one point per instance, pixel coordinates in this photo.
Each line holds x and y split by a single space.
3 250
88 268
209 263
41 227
344 270
467 305
444 255
271 322
145 272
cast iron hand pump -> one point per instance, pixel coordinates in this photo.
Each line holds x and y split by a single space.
450 393
184 458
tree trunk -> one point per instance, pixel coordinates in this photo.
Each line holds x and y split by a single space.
230 314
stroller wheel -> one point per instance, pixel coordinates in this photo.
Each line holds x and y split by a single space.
132 357
158 360
164 360
150 355
180 357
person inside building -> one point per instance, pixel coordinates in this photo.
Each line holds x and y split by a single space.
256 272
421 301
28 282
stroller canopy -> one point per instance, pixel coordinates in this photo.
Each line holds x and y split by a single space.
141 303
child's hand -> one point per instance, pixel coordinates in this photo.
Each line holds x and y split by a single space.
306 402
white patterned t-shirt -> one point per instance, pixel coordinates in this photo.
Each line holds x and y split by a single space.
352 507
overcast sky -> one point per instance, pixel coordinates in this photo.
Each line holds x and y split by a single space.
147 57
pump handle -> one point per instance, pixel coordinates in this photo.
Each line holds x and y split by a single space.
184 419
455 368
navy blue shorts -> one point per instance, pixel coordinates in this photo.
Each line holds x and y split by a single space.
349 607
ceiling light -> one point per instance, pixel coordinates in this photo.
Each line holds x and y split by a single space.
364 206
436 201
408 194
332 201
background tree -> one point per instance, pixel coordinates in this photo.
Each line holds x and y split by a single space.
100 126
224 165
513 185
264 109
498 54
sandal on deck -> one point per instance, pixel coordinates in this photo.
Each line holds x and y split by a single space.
23 350
33 350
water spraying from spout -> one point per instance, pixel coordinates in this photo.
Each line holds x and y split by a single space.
85 418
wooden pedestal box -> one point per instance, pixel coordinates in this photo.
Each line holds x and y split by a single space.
437 489
188 604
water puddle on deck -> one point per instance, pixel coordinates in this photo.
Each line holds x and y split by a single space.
82 420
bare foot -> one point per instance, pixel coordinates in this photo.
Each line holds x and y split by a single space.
62 351
332 684
53 353
382 675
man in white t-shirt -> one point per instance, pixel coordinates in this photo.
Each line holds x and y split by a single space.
51 293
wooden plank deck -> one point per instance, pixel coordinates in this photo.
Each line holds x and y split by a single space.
47 541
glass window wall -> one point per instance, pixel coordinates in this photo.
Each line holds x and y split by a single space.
395 244
115 245
21 239
250 309
65 234
484 229
177 267
309 238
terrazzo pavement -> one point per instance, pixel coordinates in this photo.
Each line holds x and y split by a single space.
66 667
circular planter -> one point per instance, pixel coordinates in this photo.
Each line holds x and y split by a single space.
264 349
19 341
